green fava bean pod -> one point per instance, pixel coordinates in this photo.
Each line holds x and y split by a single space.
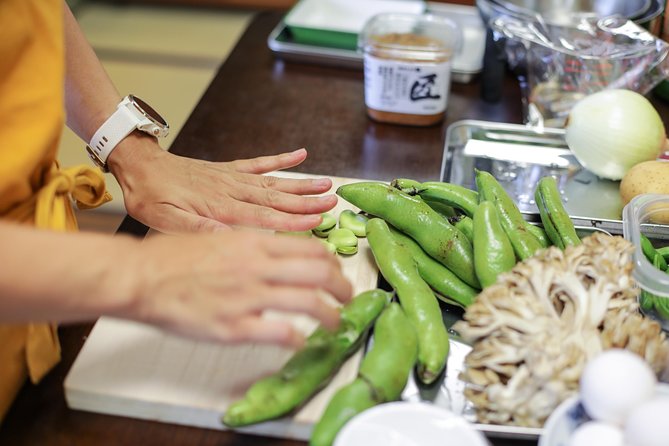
414 217
349 401
450 287
417 299
465 225
310 368
554 217
524 243
383 375
406 185
664 252
452 195
493 253
539 234
388 364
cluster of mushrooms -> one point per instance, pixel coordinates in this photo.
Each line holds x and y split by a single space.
534 330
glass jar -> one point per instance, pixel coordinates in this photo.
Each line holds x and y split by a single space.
407 59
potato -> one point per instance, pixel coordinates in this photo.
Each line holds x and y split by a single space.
648 177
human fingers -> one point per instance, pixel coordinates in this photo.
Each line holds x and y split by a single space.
249 214
286 202
265 164
299 186
310 273
296 300
170 219
259 329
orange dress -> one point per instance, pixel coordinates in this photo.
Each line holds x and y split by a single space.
33 189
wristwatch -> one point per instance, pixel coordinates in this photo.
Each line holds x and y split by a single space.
131 113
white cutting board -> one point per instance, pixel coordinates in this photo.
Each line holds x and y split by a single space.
135 370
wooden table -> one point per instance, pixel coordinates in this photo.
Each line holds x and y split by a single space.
260 105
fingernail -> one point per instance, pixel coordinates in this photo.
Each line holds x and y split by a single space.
322 182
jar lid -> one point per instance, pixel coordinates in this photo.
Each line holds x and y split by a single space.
411 32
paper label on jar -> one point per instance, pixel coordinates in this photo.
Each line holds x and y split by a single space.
416 88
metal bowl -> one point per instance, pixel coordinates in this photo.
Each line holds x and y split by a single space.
547 8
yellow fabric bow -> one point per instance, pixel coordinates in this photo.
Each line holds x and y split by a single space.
51 208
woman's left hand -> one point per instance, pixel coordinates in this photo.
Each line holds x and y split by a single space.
174 194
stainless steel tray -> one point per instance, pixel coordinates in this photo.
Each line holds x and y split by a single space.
466 65
518 156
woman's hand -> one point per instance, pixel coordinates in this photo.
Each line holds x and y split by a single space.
175 194
216 286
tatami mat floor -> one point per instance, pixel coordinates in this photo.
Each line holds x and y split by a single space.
165 55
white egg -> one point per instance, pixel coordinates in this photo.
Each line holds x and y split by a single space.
648 423
597 433
613 383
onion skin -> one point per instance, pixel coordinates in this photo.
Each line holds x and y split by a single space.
612 130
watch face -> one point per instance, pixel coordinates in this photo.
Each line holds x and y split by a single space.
148 111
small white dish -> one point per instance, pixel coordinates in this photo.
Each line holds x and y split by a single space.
569 415
409 424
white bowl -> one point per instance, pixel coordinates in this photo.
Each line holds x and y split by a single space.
568 416
409 424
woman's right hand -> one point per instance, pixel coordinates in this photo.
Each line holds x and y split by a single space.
215 287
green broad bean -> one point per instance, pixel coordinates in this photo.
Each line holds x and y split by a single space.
383 374
328 224
388 364
406 185
465 225
450 194
664 252
539 233
310 368
449 287
524 243
646 300
344 240
332 249
653 255
493 252
554 217
417 219
349 401
443 209
355 222
417 298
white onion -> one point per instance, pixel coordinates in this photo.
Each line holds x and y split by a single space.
612 130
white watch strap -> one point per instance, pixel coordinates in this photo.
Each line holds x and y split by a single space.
118 126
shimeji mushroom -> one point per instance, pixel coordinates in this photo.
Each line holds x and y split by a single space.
533 331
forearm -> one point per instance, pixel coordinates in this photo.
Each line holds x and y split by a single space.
63 277
91 98
90 95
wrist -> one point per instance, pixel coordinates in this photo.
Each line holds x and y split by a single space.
132 157
121 285
131 114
